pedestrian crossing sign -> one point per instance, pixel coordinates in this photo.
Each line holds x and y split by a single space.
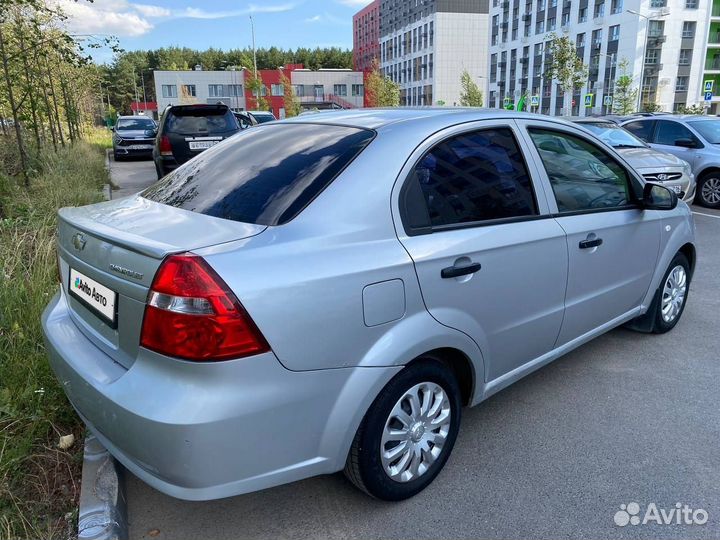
709 85
608 101
589 100
534 101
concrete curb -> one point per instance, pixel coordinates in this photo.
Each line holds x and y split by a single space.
107 188
103 506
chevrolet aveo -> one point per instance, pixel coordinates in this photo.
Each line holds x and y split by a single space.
328 292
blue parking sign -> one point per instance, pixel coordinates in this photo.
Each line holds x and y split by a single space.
708 96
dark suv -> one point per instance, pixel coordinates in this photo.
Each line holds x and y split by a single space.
187 130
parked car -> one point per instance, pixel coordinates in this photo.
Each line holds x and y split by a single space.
695 139
282 307
187 130
133 136
262 116
655 166
245 119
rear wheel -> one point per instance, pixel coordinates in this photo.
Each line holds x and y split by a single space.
708 190
408 433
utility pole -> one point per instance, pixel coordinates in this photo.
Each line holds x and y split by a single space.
645 40
142 78
256 91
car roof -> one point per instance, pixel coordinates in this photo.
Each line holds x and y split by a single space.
378 118
132 116
266 113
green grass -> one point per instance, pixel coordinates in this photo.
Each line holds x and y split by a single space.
39 484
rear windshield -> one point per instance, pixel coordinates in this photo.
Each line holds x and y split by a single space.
191 121
262 118
265 175
135 123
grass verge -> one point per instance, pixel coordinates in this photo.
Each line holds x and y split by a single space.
39 483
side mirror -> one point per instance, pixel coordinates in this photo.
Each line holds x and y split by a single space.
657 197
686 143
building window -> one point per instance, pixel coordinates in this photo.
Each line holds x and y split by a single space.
616 7
652 56
494 40
656 28
551 24
614 33
340 89
685 57
658 3
682 84
599 10
580 41
540 27
553 3
691 4
169 91
188 90
582 15
688 30
597 37
299 90
277 90
216 90
234 90
358 90
541 5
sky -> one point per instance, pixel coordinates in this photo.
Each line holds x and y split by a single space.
222 24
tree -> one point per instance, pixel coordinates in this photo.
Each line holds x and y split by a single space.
257 90
566 67
624 95
380 91
692 109
291 103
651 106
470 94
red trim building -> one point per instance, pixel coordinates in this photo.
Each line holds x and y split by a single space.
366 36
274 94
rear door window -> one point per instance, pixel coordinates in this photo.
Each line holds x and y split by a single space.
668 132
265 175
469 178
641 129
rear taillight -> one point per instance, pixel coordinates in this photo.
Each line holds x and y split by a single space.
192 314
165 147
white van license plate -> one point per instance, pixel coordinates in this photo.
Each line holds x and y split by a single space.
96 297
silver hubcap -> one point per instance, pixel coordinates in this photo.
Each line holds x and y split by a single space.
674 294
415 432
711 190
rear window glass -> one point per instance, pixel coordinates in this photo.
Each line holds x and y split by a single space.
262 118
191 121
265 175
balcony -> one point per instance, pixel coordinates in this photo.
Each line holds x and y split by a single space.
712 65
714 38
527 16
715 11
524 60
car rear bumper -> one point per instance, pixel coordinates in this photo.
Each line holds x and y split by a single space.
207 431
126 151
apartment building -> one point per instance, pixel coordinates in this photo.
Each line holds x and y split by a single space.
322 89
711 57
366 36
662 40
426 44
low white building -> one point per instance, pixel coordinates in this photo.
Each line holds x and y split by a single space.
197 86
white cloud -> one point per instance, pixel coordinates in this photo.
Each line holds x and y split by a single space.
126 19
152 11
355 3
328 18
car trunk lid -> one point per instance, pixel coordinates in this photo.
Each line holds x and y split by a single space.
114 249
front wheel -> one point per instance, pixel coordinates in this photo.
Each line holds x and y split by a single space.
708 190
408 433
669 301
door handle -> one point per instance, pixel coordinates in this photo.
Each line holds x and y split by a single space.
595 242
457 271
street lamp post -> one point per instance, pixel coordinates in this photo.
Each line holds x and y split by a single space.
642 65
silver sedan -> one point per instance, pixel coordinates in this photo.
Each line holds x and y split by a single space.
326 293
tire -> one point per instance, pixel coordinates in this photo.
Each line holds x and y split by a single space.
159 171
426 378
117 157
708 190
661 317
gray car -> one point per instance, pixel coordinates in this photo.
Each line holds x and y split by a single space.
133 136
326 293
695 139
654 165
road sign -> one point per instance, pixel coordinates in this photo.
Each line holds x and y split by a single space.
708 96
534 101
709 85
589 100
608 101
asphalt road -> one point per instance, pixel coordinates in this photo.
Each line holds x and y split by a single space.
627 418
131 176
